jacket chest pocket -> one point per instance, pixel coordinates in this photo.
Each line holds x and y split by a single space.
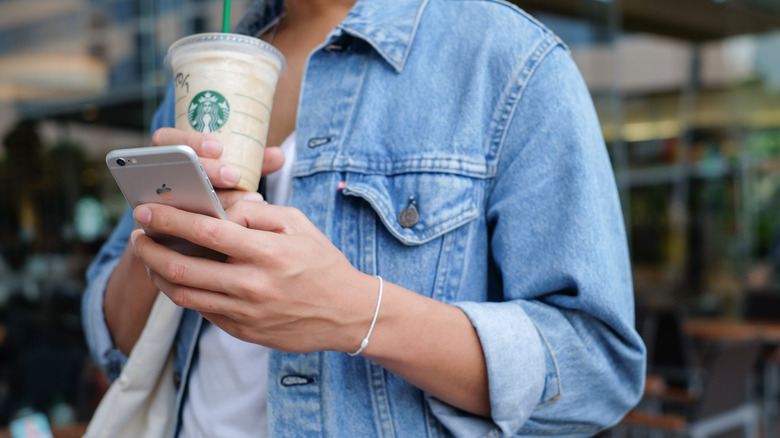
413 227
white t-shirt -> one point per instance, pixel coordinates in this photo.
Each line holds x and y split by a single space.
228 388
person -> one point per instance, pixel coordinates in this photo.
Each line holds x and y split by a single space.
443 170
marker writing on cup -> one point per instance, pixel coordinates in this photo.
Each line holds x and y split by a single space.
183 81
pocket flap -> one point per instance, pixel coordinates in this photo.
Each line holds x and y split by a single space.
442 201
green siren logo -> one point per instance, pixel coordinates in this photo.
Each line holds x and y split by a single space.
208 111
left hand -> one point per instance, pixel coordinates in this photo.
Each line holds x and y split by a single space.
223 176
284 284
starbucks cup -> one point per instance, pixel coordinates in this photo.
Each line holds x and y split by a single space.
225 86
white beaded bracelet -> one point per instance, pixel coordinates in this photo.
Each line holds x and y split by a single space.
376 313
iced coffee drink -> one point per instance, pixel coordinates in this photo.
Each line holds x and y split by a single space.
225 85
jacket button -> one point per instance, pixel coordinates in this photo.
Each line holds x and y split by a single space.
342 44
297 380
409 215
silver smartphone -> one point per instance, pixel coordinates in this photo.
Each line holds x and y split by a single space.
171 175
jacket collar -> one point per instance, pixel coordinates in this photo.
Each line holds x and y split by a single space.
389 27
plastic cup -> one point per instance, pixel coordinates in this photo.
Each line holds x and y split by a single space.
225 86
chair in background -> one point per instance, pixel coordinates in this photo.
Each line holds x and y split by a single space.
669 349
761 306
764 307
723 404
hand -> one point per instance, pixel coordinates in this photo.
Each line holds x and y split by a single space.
284 285
222 175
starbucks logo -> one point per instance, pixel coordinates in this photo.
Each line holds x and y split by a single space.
208 111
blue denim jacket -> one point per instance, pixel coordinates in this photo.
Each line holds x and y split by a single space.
477 112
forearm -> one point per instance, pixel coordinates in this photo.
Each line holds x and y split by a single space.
128 300
433 346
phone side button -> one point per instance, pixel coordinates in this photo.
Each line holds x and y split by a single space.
205 176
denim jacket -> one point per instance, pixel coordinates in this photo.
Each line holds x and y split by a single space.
474 114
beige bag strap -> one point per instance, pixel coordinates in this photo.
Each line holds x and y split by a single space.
141 402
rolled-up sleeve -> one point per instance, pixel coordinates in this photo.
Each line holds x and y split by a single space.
99 341
562 353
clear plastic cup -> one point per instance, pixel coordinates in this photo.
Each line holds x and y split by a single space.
225 85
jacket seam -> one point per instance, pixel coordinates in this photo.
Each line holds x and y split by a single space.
185 374
350 119
473 169
507 110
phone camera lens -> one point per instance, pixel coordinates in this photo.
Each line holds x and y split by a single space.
120 161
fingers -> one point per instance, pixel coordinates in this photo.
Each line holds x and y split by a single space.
224 175
229 197
209 150
184 279
273 159
208 287
203 145
220 174
266 217
220 235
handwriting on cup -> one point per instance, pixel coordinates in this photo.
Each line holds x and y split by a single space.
183 81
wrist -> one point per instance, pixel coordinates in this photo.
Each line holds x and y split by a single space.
358 312
364 342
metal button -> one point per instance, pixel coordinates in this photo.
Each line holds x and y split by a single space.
409 215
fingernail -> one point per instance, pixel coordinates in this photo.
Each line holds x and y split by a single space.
211 148
230 174
142 214
254 197
133 237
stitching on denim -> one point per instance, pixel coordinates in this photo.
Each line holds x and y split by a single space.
456 166
442 270
514 94
379 397
555 367
349 119
432 425
517 88
416 25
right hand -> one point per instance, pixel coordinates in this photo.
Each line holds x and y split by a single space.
223 176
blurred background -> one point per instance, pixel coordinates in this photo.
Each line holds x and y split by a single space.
688 93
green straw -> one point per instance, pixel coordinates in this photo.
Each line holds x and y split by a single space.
226 16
